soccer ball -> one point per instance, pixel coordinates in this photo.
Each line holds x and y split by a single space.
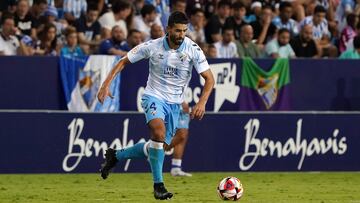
230 188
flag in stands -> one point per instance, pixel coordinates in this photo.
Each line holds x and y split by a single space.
262 90
82 78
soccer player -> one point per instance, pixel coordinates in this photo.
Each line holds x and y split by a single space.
171 59
179 142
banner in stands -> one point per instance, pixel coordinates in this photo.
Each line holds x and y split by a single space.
82 77
50 142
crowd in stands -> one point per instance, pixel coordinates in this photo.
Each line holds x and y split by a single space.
222 28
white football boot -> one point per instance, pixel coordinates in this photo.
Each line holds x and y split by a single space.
178 172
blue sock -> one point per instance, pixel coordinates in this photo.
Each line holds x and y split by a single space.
156 159
134 152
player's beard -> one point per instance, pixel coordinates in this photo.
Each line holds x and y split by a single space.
175 40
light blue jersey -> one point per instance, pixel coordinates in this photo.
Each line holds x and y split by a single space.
169 70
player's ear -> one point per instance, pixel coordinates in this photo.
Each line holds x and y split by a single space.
167 29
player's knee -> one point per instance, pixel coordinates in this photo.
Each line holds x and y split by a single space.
158 134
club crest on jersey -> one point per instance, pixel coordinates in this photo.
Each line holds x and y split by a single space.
182 57
268 90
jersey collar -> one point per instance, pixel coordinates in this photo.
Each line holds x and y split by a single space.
167 48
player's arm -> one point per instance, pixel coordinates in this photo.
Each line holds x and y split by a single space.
104 90
199 110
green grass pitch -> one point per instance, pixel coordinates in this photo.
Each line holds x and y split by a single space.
137 187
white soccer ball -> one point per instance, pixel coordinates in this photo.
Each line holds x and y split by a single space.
230 188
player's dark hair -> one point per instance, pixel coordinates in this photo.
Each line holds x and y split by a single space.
284 5
319 9
237 5
120 5
5 16
147 9
356 42
177 17
283 30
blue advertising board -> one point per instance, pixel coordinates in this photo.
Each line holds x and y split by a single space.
60 142
321 85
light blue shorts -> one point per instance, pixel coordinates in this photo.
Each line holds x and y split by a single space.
184 120
169 113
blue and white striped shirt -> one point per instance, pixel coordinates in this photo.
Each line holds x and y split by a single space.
75 7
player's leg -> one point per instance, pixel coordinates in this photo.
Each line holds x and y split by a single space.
179 144
156 157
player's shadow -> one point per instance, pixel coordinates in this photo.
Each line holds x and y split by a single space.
340 102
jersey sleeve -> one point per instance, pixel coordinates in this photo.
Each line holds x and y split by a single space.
141 51
199 61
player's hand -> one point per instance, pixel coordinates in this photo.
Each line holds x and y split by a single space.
103 93
198 111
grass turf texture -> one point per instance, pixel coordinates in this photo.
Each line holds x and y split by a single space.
137 187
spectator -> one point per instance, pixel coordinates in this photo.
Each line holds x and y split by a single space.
176 5
321 34
144 22
211 51
11 6
7 6
304 45
71 47
236 21
37 9
50 16
264 30
284 20
353 53
138 4
349 31
196 26
113 46
245 46
9 44
179 5
89 28
156 31
216 22
73 9
319 22
344 9
226 48
256 8
120 12
47 44
350 44
280 47
134 38
23 20
195 4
